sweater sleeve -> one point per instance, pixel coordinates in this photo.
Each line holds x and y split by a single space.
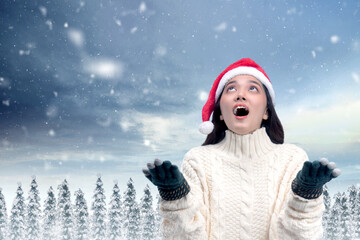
186 218
300 218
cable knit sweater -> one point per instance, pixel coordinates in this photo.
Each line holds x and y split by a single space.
241 189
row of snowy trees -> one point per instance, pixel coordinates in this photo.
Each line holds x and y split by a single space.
341 219
124 218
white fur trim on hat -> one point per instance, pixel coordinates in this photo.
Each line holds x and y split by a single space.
206 127
245 71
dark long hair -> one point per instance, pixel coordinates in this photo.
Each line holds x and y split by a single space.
272 125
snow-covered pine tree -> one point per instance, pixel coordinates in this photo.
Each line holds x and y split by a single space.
334 230
327 212
99 212
65 213
147 215
33 212
81 216
346 222
158 219
17 218
3 216
115 214
353 194
49 218
357 213
131 213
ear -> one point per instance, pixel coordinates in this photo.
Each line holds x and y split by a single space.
266 115
221 117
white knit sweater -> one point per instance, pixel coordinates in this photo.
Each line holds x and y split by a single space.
241 189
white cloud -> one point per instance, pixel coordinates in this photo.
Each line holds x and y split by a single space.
105 68
126 124
328 123
76 156
172 131
76 37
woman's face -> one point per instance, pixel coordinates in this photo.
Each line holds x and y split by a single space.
243 104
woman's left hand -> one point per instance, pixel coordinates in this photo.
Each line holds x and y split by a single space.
313 176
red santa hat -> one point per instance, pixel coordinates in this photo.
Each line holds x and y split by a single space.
245 66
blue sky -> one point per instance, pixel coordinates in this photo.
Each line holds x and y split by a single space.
92 87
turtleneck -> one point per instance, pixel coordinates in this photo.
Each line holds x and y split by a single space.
253 145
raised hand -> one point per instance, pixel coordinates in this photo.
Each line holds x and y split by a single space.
168 178
313 176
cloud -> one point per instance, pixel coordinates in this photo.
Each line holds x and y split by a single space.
330 122
171 131
104 68
76 156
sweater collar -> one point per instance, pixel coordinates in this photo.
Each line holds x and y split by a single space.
251 145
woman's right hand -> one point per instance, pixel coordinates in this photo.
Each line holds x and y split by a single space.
168 178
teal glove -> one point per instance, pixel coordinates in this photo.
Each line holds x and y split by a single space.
169 180
312 177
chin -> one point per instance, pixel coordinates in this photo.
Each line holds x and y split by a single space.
244 131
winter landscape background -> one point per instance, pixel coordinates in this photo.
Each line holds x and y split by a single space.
103 87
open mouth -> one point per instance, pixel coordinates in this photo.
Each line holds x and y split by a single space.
241 111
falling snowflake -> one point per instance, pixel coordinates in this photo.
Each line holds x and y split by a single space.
334 39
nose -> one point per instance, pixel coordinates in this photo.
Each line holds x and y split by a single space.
240 96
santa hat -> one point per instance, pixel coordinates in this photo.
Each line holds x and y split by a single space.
245 66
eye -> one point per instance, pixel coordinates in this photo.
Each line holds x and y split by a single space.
253 88
230 89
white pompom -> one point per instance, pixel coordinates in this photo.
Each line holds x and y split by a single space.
336 172
324 161
206 127
331 165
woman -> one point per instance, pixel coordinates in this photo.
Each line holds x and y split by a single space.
243 182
